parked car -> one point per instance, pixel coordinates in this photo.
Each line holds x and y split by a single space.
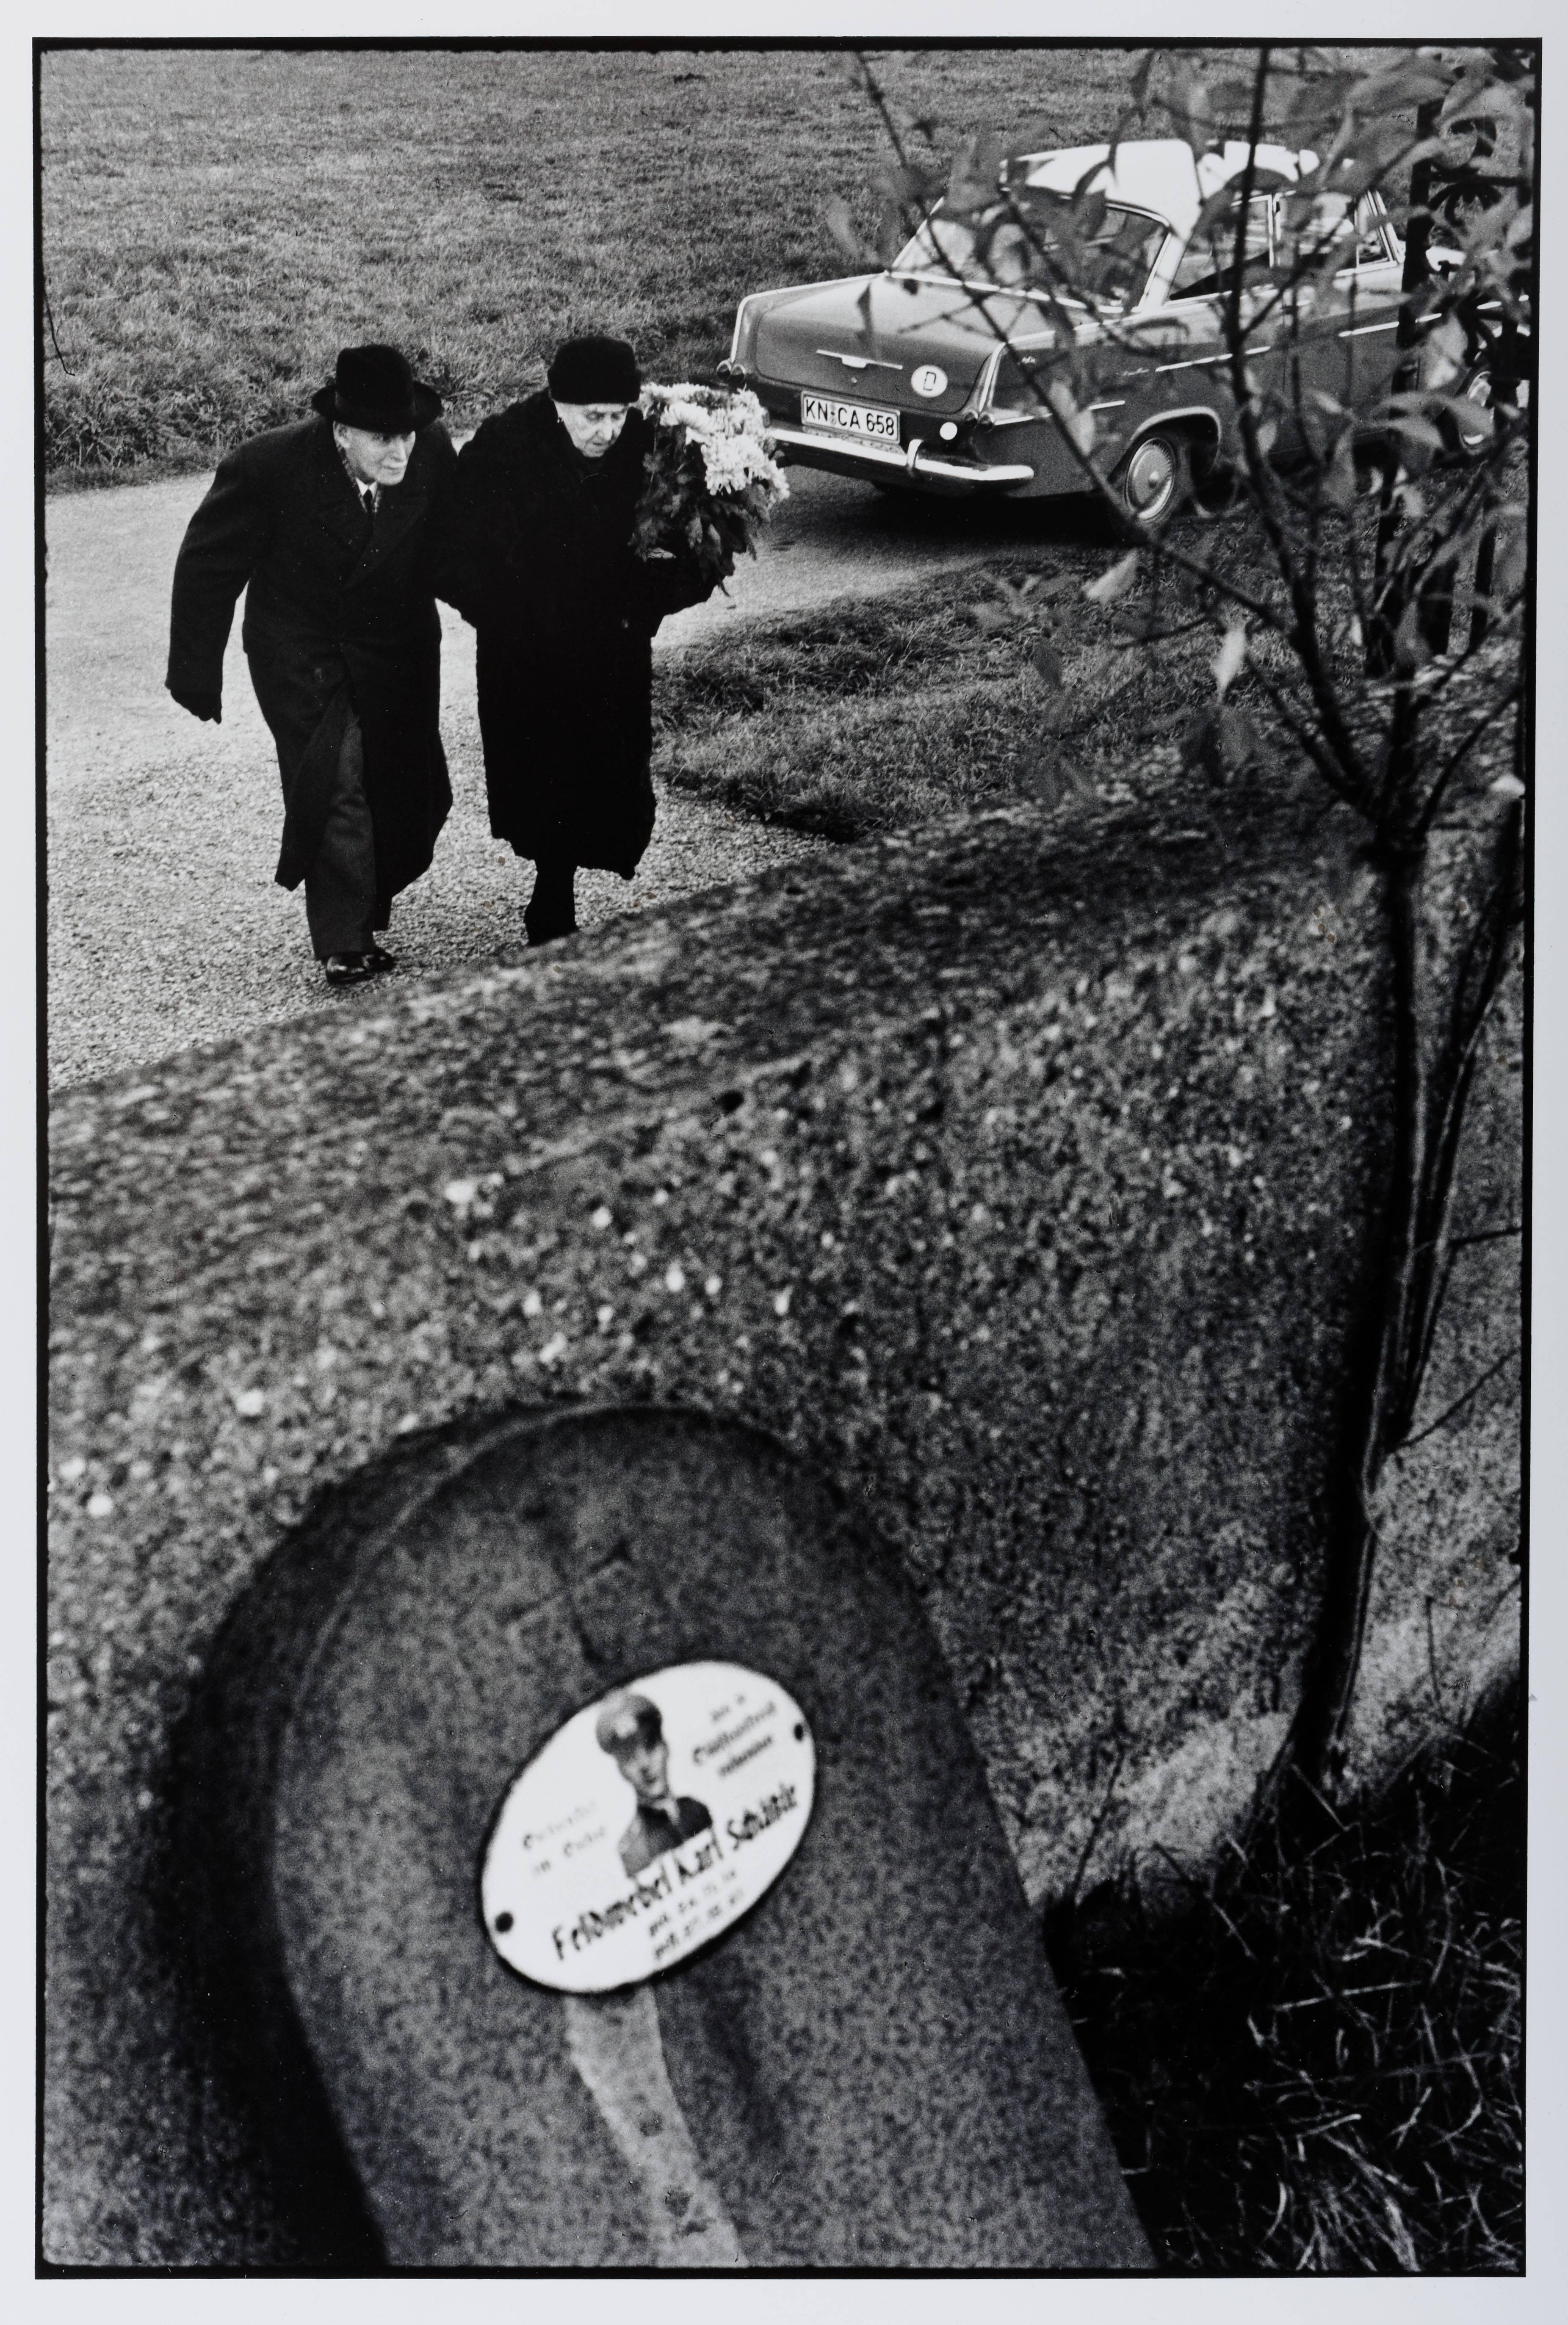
929 377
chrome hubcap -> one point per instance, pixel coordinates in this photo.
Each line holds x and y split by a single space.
1151 480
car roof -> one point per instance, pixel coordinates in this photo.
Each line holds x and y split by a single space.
1157 173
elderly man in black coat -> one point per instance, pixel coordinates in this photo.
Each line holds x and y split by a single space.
330 523
535 551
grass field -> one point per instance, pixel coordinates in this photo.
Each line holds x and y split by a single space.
217 223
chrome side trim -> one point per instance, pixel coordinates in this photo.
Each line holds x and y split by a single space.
913 459
1196 363
942 282
984 388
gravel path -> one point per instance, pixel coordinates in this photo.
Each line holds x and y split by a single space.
165 926
166 929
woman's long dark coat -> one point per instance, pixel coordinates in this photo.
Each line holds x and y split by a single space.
340 614
536 553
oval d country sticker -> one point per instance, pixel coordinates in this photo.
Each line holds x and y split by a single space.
647 1825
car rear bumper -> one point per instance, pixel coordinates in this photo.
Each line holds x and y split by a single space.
915 462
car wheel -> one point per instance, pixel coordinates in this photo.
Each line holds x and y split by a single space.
1472 437
1154 479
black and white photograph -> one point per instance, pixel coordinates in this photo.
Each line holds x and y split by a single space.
787 899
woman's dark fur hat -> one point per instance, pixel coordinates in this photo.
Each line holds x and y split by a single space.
594 370
374 387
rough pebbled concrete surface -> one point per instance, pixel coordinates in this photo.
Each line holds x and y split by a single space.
1040 1230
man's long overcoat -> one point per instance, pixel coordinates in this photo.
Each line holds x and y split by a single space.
536 553
340 614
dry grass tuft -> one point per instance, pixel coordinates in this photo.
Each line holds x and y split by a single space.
1316 2064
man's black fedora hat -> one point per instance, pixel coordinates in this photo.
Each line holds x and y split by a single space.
374 387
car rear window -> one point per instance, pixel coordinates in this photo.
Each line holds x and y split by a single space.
1029 242
1285 230
1321 221
1207 265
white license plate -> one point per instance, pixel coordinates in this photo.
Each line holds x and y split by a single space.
841 416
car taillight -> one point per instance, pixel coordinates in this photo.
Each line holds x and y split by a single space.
735 335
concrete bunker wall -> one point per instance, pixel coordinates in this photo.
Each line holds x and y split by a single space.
1023 1187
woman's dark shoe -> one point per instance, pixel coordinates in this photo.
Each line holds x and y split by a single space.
380 962
551 911
349 967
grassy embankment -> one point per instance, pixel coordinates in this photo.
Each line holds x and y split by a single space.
875 716
216 224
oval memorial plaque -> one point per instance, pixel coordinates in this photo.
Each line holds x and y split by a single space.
647 1825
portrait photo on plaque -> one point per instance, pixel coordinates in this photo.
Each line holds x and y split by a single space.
647 1826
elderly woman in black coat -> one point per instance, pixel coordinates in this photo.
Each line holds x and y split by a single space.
535 551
